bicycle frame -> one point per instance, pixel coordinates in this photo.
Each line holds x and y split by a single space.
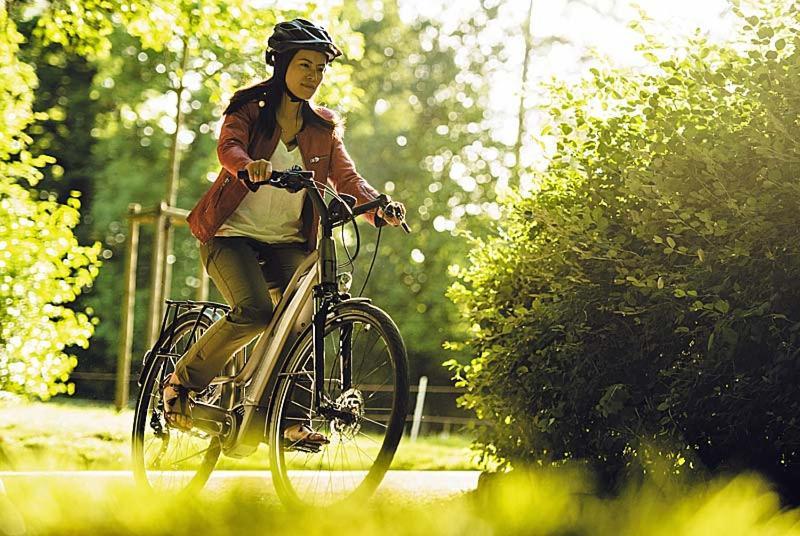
314 279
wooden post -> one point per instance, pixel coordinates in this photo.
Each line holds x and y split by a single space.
169 239
171 198
446 430
128 309
423 385
157 276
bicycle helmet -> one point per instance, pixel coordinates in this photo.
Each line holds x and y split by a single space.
300 33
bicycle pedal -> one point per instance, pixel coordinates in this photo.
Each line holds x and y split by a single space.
310 447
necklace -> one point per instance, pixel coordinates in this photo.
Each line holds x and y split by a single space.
289 130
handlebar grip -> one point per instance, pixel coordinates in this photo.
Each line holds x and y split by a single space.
244 176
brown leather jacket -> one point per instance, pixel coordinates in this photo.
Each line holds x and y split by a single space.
240 143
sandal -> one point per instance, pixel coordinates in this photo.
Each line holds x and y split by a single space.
178 407
303 437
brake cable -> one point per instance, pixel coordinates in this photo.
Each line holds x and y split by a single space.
323 189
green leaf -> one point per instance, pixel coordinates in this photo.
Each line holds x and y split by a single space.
722 306
670 242
765 32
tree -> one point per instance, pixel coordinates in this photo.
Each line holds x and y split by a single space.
420 133
42 266
149 55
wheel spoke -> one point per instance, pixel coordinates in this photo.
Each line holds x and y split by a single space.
347 463
375 422
375 370
368 437
366 353
171 460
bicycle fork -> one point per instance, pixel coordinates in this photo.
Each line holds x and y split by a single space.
323 405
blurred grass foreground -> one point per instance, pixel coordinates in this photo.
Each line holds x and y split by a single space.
537 501
531 502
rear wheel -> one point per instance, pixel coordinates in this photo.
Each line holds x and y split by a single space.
166 459
363 444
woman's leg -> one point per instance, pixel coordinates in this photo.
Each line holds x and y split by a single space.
233 264
281 262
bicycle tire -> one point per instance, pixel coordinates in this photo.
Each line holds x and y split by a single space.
148 417
285 479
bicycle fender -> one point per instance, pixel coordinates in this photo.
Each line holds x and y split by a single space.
148 358
350 301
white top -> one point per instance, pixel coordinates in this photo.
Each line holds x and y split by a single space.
270 215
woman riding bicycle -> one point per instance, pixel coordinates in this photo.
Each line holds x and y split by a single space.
254 241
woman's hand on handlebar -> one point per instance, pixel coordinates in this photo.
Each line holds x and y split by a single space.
394 214
259 170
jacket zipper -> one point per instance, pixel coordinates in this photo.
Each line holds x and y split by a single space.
221 189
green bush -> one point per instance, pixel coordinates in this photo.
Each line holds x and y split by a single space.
645 295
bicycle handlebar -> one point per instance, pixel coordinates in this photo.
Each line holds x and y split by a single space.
295 180
292 180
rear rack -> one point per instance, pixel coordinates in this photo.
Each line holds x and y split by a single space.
176 308
166 336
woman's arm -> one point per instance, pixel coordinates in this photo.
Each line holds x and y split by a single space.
234 138
345 179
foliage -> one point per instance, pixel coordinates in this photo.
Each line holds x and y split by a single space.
536 502
121 106
419 133
111 87
42 266
646 293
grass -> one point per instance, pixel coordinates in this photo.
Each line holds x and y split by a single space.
559 501
76 435
539 501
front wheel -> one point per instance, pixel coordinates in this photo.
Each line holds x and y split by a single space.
363 340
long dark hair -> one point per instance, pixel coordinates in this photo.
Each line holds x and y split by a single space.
271 91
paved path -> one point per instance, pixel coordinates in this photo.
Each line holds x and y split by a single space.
407 486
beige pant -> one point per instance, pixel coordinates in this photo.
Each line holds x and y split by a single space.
234 264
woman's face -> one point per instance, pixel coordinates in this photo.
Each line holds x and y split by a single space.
305 72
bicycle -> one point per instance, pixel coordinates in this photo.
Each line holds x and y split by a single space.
335 362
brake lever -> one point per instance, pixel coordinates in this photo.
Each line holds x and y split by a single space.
403 224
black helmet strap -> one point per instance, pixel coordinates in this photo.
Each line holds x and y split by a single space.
292 96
